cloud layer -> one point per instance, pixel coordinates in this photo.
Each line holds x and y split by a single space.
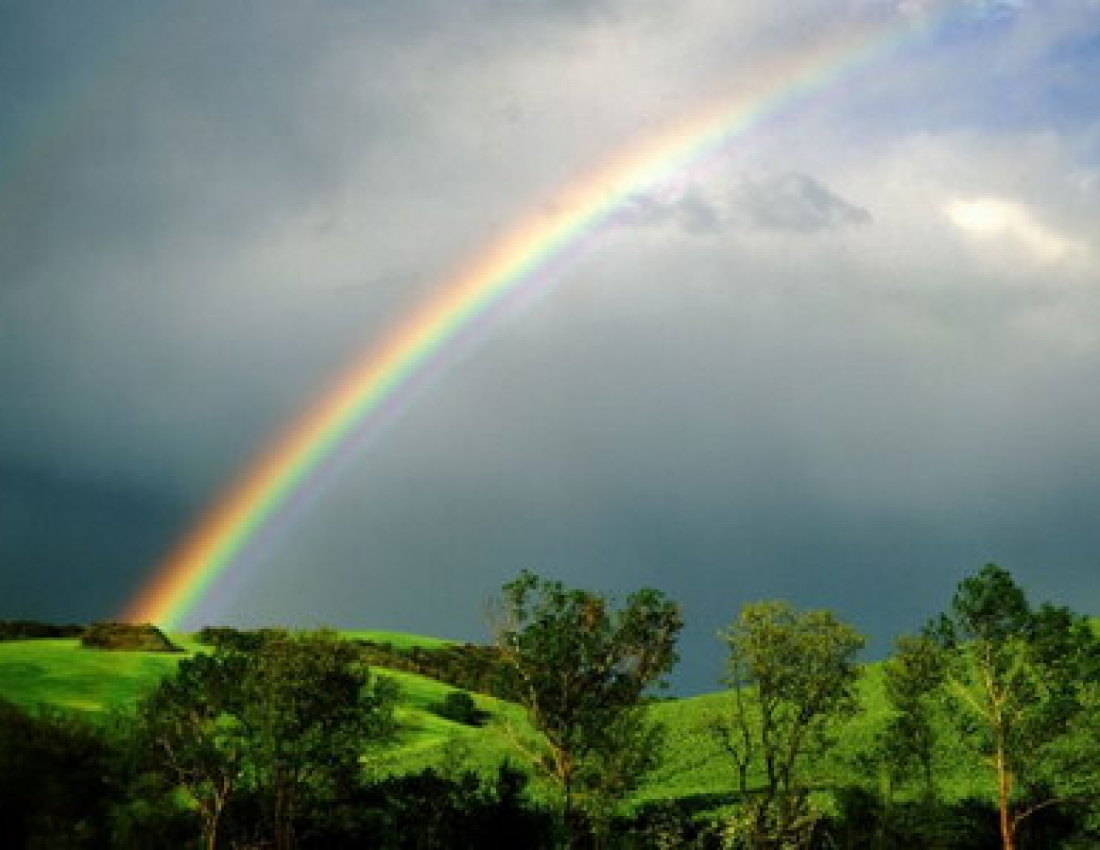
850 362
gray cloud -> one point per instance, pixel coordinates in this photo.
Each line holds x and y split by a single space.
697 215
204 218
794 202
691 213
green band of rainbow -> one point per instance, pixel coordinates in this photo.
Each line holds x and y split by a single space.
181 582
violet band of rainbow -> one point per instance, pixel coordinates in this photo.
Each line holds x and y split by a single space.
190 571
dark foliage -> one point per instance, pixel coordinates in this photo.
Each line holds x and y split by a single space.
237 640
470 666
57 782
460 707
428 810
131 637
864 822
683 822
30 629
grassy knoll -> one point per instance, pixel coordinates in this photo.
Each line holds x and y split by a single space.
399 640
425 739
692 762
60 673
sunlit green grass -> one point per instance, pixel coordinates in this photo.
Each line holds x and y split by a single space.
59 673
399 640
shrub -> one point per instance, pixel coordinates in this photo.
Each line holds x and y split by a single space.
460 707
144 637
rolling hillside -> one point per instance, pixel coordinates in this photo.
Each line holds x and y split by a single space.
59 673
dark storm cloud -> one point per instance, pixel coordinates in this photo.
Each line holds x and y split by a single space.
806 448
739 393
66 540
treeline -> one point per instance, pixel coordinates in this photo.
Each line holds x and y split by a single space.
279 740
32 629
67 783
470 666
132 637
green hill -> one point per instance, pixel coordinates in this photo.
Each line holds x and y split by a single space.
59 673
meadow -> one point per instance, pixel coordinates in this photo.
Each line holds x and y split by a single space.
61 674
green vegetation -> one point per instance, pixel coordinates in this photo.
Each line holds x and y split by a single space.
792 678
984 731
59 673
127 637
399 640
580 667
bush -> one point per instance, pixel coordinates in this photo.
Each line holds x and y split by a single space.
460 707
56 782
127 637
237 640
428 810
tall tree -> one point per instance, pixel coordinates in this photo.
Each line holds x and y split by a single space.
913 677
1018 678
580 667
286 720
191 725
311 708
792 674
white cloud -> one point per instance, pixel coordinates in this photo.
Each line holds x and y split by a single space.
996 221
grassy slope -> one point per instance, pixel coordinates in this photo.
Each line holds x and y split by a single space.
399 640
693 764
60 673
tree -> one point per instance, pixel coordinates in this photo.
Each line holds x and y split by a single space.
459 707
581 669
311 708
906 751
56 782
1019 681
913 677
287 722
192 726
792 675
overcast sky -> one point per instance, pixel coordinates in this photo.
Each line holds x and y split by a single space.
850 361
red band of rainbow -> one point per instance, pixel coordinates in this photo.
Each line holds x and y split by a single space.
189 573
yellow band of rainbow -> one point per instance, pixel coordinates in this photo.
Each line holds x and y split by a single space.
189 573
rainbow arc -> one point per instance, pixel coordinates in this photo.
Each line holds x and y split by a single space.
508 266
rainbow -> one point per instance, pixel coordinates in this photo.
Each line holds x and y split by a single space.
519 260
